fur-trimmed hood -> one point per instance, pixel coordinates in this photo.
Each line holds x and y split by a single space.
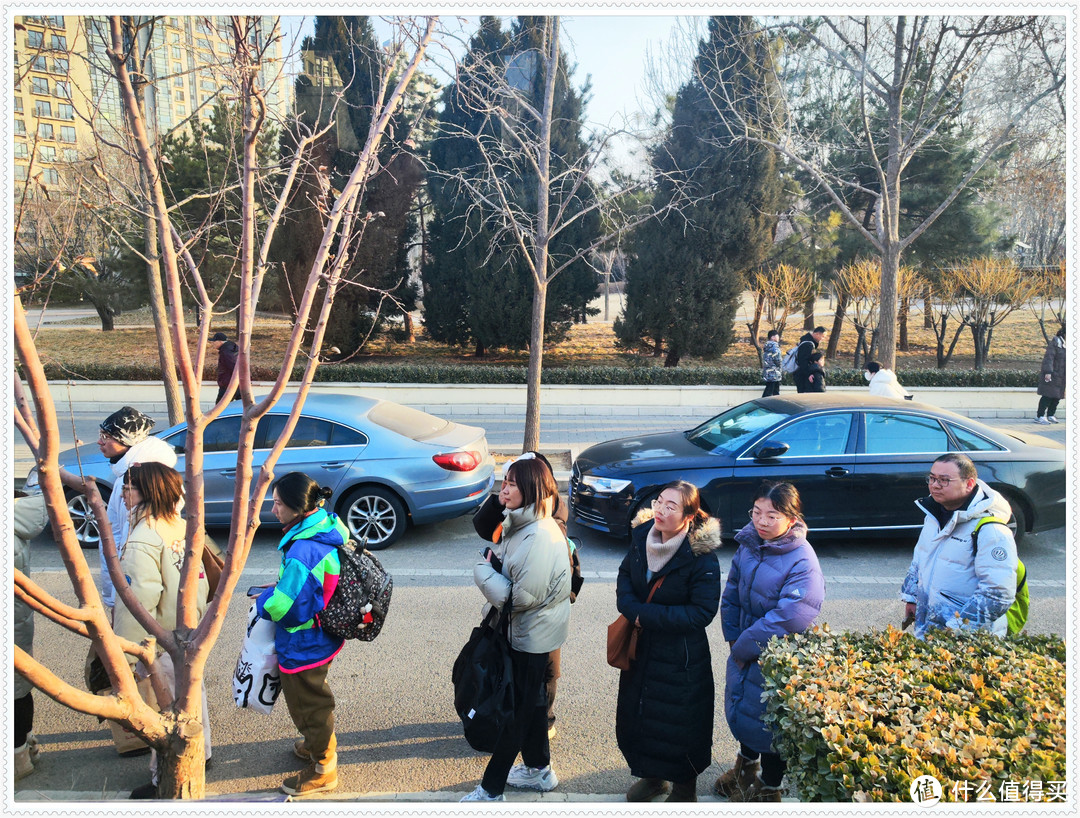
703 538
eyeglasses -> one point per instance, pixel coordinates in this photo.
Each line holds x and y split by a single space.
669 508
104 438
769 517
934 480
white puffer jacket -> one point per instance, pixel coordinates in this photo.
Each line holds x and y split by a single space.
951 585
884 384
535 579
151 450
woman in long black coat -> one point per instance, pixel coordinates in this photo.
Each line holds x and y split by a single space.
1052 379
664 716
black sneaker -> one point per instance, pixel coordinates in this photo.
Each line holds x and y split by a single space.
144 791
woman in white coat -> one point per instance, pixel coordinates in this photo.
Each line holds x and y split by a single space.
528 571
883 382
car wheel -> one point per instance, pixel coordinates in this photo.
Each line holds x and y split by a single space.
82 517
1018 522
375 513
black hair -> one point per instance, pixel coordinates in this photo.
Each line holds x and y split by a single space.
300 493
819 329
872 366
1061 332
816 356
773 332
691 502
534 480
783 496
963 464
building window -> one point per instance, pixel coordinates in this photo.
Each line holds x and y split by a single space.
58 42
20 173
20 127
45 130
42 108
181 111
40 63
50 176
67 133
207 85
60 65
179 96
176 52
34 39
71 155
21 151
65 111
63 90
18 105
56 21
39 85
174 22
47 153
204 44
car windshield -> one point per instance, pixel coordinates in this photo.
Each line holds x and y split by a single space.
729 431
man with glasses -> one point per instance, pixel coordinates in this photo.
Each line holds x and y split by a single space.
950 584
125 440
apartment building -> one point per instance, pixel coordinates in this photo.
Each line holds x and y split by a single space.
65 89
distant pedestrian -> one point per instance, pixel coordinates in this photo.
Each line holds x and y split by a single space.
664 715
227 353
807 345
1052 384
309 572
775 587
815 373
125 440
528 573
883 382
29 521
770 364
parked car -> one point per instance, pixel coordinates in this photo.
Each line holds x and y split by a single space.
387 464
859 463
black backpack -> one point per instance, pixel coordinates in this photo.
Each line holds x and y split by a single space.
362 582
483 680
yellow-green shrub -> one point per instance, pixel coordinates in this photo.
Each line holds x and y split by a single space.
859 716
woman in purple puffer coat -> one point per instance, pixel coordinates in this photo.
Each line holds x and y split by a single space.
775 587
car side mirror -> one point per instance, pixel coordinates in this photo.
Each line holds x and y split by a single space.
770 449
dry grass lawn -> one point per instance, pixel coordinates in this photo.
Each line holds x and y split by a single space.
1017 344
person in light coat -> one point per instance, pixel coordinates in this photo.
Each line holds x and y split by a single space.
125 439
528 571
949 584
30 520
883 382
771 373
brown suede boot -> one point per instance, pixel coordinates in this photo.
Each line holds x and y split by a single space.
684 791
760 791
646 789
734 782
312 779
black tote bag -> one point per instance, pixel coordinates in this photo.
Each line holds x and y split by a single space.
483 680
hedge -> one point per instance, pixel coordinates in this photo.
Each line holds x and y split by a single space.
572 375
859 716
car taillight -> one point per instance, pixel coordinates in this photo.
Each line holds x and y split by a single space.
458 461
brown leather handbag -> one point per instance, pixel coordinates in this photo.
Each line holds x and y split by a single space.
622 636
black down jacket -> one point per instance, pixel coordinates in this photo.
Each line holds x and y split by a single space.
664 717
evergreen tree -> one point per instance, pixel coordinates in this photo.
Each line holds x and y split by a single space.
688 271
477 289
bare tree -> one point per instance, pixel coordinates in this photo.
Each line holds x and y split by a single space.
1050 295
901 80
859 284
778 290
988 291
176 731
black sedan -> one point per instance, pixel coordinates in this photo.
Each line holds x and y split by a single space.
859 463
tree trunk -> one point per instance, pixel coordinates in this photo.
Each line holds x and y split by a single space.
904 306
808 313
105 313
927 295
182 765
531 440
410 327
837 326
480 351
672 358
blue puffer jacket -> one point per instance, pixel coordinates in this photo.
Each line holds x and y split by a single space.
770 362
774 588
306 580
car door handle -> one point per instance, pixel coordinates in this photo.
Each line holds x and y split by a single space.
837 471
229 473
333 466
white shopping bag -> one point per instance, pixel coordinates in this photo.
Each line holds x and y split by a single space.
256 681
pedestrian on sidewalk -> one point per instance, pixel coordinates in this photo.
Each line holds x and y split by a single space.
309 572
807 345
669 586
528 571
771 372
775 587
815 373
883 382
152 562
1052 381
30 520
488 521
227 352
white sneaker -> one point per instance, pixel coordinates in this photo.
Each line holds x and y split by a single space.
1052 419
533 778
1042 421
480 794
23 765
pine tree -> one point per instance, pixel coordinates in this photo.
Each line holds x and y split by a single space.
689 266
477 290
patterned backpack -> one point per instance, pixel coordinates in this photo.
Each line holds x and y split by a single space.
357 608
